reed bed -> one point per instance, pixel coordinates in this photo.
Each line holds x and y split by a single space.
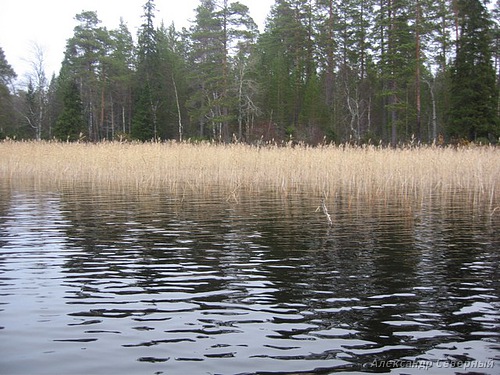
372 172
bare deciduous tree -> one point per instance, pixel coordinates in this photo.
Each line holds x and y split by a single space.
36 96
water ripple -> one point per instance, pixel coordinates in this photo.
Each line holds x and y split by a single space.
158 286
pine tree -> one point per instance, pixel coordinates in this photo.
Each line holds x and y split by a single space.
397 67
352 93
85 63
7 115
287 63
474 95
496 45
215 36
7 74
119 74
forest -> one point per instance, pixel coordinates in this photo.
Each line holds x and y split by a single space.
356 71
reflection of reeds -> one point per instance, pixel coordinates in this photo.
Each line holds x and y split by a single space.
368 172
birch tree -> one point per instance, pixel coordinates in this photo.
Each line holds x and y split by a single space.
36 95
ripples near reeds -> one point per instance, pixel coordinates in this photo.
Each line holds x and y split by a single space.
107 283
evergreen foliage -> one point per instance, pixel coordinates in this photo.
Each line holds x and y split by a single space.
348 71
70 124
7 115
474 94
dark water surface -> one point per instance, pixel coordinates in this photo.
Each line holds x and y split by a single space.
152 283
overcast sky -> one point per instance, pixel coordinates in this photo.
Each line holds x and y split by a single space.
49 23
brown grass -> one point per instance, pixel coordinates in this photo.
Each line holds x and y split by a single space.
369 172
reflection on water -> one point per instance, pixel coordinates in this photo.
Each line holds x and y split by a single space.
104 283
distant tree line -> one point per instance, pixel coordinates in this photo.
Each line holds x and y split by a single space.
322 70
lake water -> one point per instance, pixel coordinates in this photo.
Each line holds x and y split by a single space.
128 282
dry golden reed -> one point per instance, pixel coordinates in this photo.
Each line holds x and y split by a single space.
369 171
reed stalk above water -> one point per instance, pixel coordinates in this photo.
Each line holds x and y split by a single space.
368 171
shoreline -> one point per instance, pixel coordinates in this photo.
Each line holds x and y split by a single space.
367 171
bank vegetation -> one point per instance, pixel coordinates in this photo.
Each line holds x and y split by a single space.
368 172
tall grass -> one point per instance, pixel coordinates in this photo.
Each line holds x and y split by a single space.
368 172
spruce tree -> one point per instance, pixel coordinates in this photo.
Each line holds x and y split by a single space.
474 93
287 64
70 123
148 98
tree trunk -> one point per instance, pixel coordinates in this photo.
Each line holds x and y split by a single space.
330 75
434 114
103 103
392 83
417 72
178 108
